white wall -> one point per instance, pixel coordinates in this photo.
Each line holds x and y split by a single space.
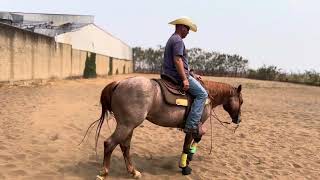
94 39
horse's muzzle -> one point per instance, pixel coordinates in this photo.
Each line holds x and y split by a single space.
236 120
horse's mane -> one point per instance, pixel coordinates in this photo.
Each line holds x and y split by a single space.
218 90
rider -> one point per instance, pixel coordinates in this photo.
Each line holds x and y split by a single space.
176 65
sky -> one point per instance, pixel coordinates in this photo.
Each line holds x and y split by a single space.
284 33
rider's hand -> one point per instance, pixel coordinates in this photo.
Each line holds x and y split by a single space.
198 77
185 85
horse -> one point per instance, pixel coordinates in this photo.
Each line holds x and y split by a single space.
136 99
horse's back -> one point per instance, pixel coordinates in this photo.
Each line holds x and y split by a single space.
135 85
133 97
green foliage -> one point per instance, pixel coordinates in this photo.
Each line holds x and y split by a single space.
273 73
217 64
110 66
203 62
148 60
267 73
310 77
90 66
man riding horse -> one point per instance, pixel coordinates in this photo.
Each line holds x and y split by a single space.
148 101
176 65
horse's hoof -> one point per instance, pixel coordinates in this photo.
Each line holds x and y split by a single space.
98 177
186 170
137 174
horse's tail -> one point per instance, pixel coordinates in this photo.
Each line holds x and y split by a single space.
106 94
105 100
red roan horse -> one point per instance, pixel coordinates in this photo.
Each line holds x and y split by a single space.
135 99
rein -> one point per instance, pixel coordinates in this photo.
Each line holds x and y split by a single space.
224 122
215 116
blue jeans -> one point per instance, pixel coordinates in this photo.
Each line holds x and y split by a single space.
200 94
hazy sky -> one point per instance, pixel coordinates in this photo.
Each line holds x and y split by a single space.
285 33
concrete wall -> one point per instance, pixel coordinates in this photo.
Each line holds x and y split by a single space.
118 66
102 64
94 39
78 62
26 55
121 66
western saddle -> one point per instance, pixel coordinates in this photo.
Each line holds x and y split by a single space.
173 93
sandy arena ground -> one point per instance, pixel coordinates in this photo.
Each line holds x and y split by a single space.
42 125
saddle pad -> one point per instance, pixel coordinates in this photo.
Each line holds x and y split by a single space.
184 102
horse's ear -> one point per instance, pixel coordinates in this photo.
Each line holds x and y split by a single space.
239 88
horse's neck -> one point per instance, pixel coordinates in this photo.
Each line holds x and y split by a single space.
218 100
219 92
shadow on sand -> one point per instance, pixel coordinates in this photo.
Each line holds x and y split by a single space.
154 165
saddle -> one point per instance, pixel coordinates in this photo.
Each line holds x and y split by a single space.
173 93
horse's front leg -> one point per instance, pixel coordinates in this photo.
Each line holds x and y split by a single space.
193 148
184 163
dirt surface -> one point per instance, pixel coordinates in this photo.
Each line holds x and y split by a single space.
42 125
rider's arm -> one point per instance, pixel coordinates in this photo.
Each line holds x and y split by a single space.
179 65
180 68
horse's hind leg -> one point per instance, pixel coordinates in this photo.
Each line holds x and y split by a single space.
125 148
120 134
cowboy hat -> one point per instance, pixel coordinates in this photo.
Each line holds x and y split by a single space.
185 21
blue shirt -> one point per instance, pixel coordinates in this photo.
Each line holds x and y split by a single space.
174 47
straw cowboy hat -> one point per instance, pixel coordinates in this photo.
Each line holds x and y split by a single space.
185 21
